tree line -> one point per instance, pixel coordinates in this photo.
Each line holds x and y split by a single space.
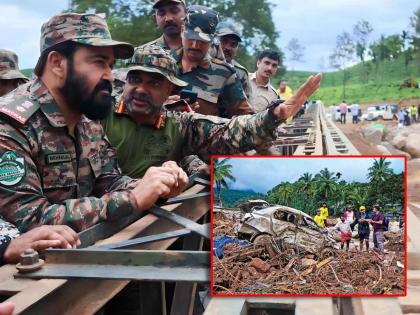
383 186
356 46
133 21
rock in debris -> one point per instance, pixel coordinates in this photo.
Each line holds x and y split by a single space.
413 166
373 135
306 262
399 141
259 265
412 145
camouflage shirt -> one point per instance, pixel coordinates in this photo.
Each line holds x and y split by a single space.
141 146
48 176
219 91
7 233
160 42
243 77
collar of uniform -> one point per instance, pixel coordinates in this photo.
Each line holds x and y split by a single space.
160 42
39 93
253 77
204 63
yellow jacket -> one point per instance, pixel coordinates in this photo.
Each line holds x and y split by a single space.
319 219
324 212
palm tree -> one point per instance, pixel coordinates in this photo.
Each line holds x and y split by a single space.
306 181
325 183
222 171
379 171
285 193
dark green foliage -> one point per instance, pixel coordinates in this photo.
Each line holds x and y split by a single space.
133 21
310 191
232 197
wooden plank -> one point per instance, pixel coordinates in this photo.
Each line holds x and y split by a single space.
231 306
314 306
411 302
376 306
13 286
413 277
100 291
184 295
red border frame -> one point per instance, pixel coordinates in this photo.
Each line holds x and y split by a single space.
306 295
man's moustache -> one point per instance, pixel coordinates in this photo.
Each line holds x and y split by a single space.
103 85
170 24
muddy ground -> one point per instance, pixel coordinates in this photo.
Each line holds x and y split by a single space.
251 270
354 131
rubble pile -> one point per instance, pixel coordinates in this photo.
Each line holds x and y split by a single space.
250 269
394 241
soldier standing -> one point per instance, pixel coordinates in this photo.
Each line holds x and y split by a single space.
10 76
57 166
170 15
219 91
229 35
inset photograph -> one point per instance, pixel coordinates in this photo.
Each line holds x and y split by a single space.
330 226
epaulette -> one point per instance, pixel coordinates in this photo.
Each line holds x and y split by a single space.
237 65
18 108
223 63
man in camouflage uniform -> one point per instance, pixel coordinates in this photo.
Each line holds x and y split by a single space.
56 165
219 91
144 134
170 15
229 35
10 76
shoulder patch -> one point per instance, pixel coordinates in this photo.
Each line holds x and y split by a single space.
224 64
18 108
12 169
239 66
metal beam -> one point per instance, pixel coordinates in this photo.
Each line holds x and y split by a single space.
149 265
180 199
191 225
147 239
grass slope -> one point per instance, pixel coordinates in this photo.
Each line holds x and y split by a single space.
365 82
230 197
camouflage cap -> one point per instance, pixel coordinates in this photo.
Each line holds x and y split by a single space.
88 29
201 23
159 3
229 28
9 69
154 59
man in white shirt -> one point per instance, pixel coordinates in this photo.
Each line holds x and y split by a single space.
354 108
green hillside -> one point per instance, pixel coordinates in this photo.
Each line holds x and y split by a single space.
231 197
365 82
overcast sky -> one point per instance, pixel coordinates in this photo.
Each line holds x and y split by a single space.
262 174
315 23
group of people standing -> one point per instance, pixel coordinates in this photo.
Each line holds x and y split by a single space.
365 220
406 116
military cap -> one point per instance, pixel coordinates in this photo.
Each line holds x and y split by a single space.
154 59
9 68
229 28
201 23
159 3
88 29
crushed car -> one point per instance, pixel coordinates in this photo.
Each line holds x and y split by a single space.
286 228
